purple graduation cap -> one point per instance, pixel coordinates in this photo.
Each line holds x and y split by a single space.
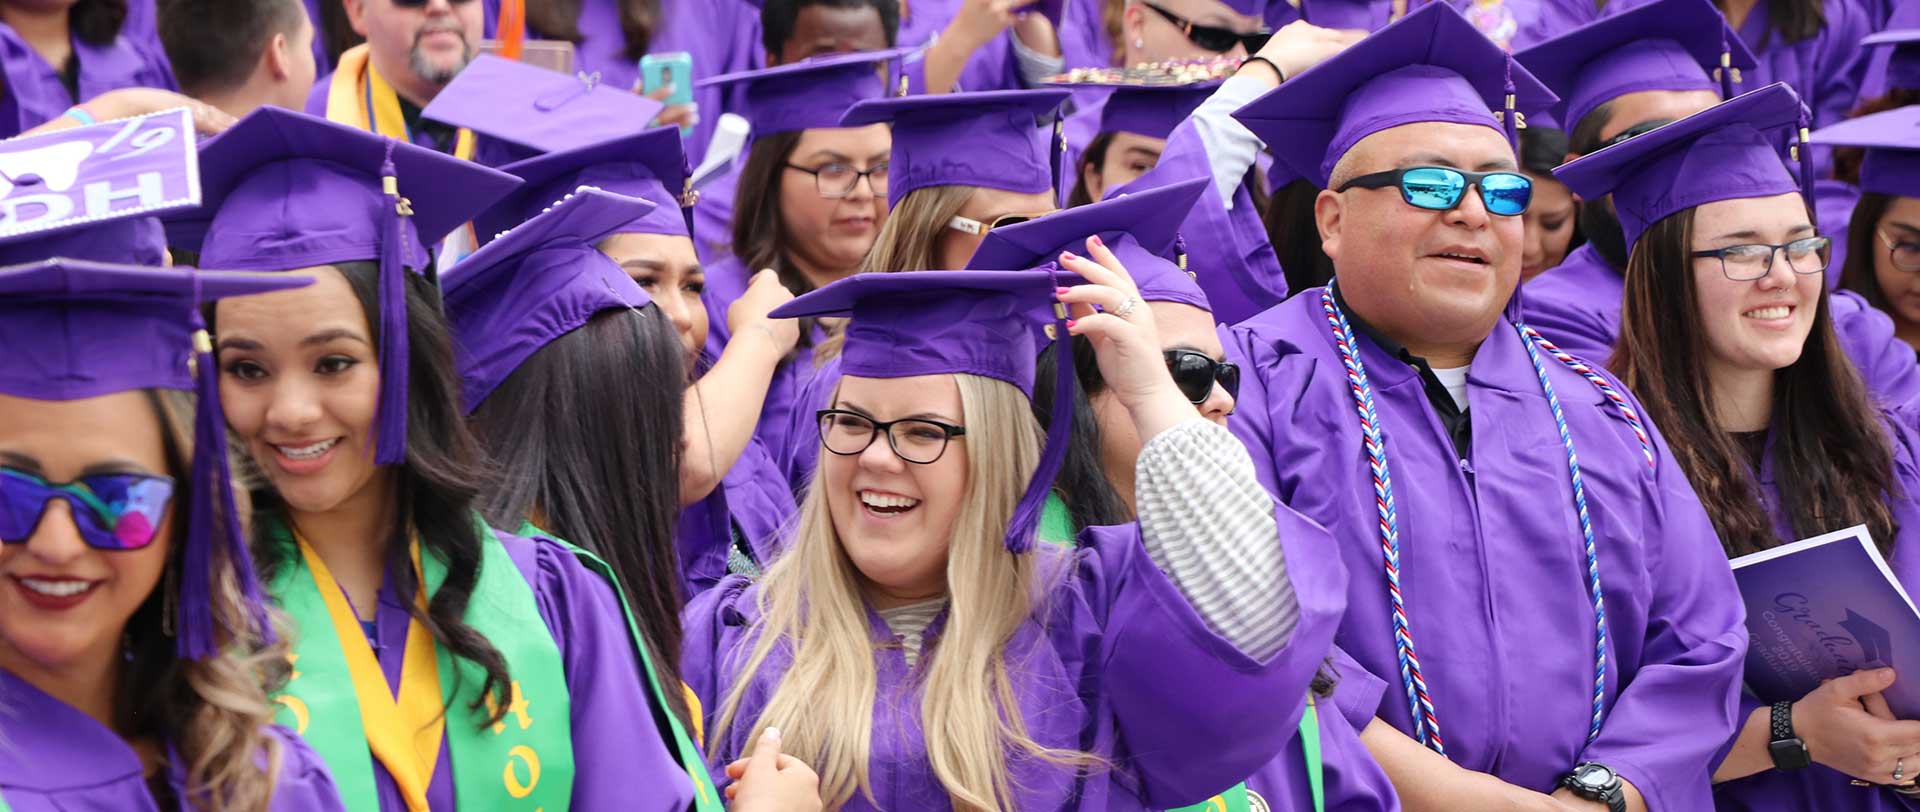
287 190
814 93
1903 65
94 329
535 283
650 165
1430 66
1140 229
532 110
1675 45
1349 14
945 322
999 139
1152 110
1729 151
94 192
1892 142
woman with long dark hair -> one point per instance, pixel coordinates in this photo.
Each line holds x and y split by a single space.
1551 231
135 648
1882 262
516 679
1728 340
56 55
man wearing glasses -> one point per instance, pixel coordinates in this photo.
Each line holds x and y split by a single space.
1547 603
413 49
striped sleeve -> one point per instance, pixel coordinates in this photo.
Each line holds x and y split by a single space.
1208 524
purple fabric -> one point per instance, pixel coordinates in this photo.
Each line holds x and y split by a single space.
1137 227
999 140
534 284
798 450
616 746
35 95
93 192
1352 780
754 499
812 93
1492 565
1092 670
1511 24
727 282
1739 143
1671 45
722 35
1227 249
317 107
536 109
1875 64
1079 130
648 165
1083 35
54 758
1576 304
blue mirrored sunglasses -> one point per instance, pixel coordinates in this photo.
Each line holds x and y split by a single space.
1440 188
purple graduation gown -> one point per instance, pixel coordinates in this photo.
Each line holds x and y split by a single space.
1115 662
1513 24
620 757
722 35
752 498
33 94
1492 566
1083 35
53 758
1577 307
1873 83
1819 788
783 410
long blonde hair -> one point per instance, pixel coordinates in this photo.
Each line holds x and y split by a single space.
810 600
215 711
906 242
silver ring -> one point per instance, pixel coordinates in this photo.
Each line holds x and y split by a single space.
1126 308
1899 770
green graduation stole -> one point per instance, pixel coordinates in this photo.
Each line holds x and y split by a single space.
1056 523
522 762
706 797
1241 799
3 805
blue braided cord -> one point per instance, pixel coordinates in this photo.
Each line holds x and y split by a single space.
1586 529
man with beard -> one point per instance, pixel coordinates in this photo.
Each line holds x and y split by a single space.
413 49
1621 77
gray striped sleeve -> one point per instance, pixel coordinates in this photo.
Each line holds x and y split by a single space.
1209 526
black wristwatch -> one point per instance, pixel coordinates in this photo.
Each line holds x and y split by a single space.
1597 782
1788 751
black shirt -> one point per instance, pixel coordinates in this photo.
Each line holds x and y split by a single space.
1458 423
443 135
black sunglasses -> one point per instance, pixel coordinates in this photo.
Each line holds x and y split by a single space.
1195 372
1440 188
1212 38
1636 130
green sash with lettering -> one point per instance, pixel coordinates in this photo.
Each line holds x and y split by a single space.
1241 799
523 762
706 797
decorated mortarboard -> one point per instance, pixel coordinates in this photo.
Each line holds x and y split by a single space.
814 93
93 192
1729 151
1674 45
286 190
999 139
535 283
1151 99
1140 228
982 323
650 165
1892 143
533 110
1431 66
1903 65
94 329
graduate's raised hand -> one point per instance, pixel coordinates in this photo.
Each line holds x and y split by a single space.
128 102
749 312
1300 45
1843 733
772 781
1126 341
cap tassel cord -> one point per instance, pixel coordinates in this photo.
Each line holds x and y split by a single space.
1726 74
1803 153
390 447
1180 255
1511 118
1059 153
1026 515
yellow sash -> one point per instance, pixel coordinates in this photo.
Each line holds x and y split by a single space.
420 708
358 97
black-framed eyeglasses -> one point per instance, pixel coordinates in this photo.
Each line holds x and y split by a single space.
1904 253
1637 130
835 180
1213 38
1195 373
1440 188
1745 263
916 440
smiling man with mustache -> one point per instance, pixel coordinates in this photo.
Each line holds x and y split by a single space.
413 49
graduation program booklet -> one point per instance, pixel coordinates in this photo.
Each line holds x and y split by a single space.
1824 608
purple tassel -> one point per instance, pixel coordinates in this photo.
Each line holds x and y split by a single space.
1726 66
1026 515
1804 151
390 430
212 518
1511 120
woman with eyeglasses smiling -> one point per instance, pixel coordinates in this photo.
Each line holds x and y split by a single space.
136 648
1883 239
1728 339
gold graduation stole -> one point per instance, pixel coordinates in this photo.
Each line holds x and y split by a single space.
358 97
340 702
